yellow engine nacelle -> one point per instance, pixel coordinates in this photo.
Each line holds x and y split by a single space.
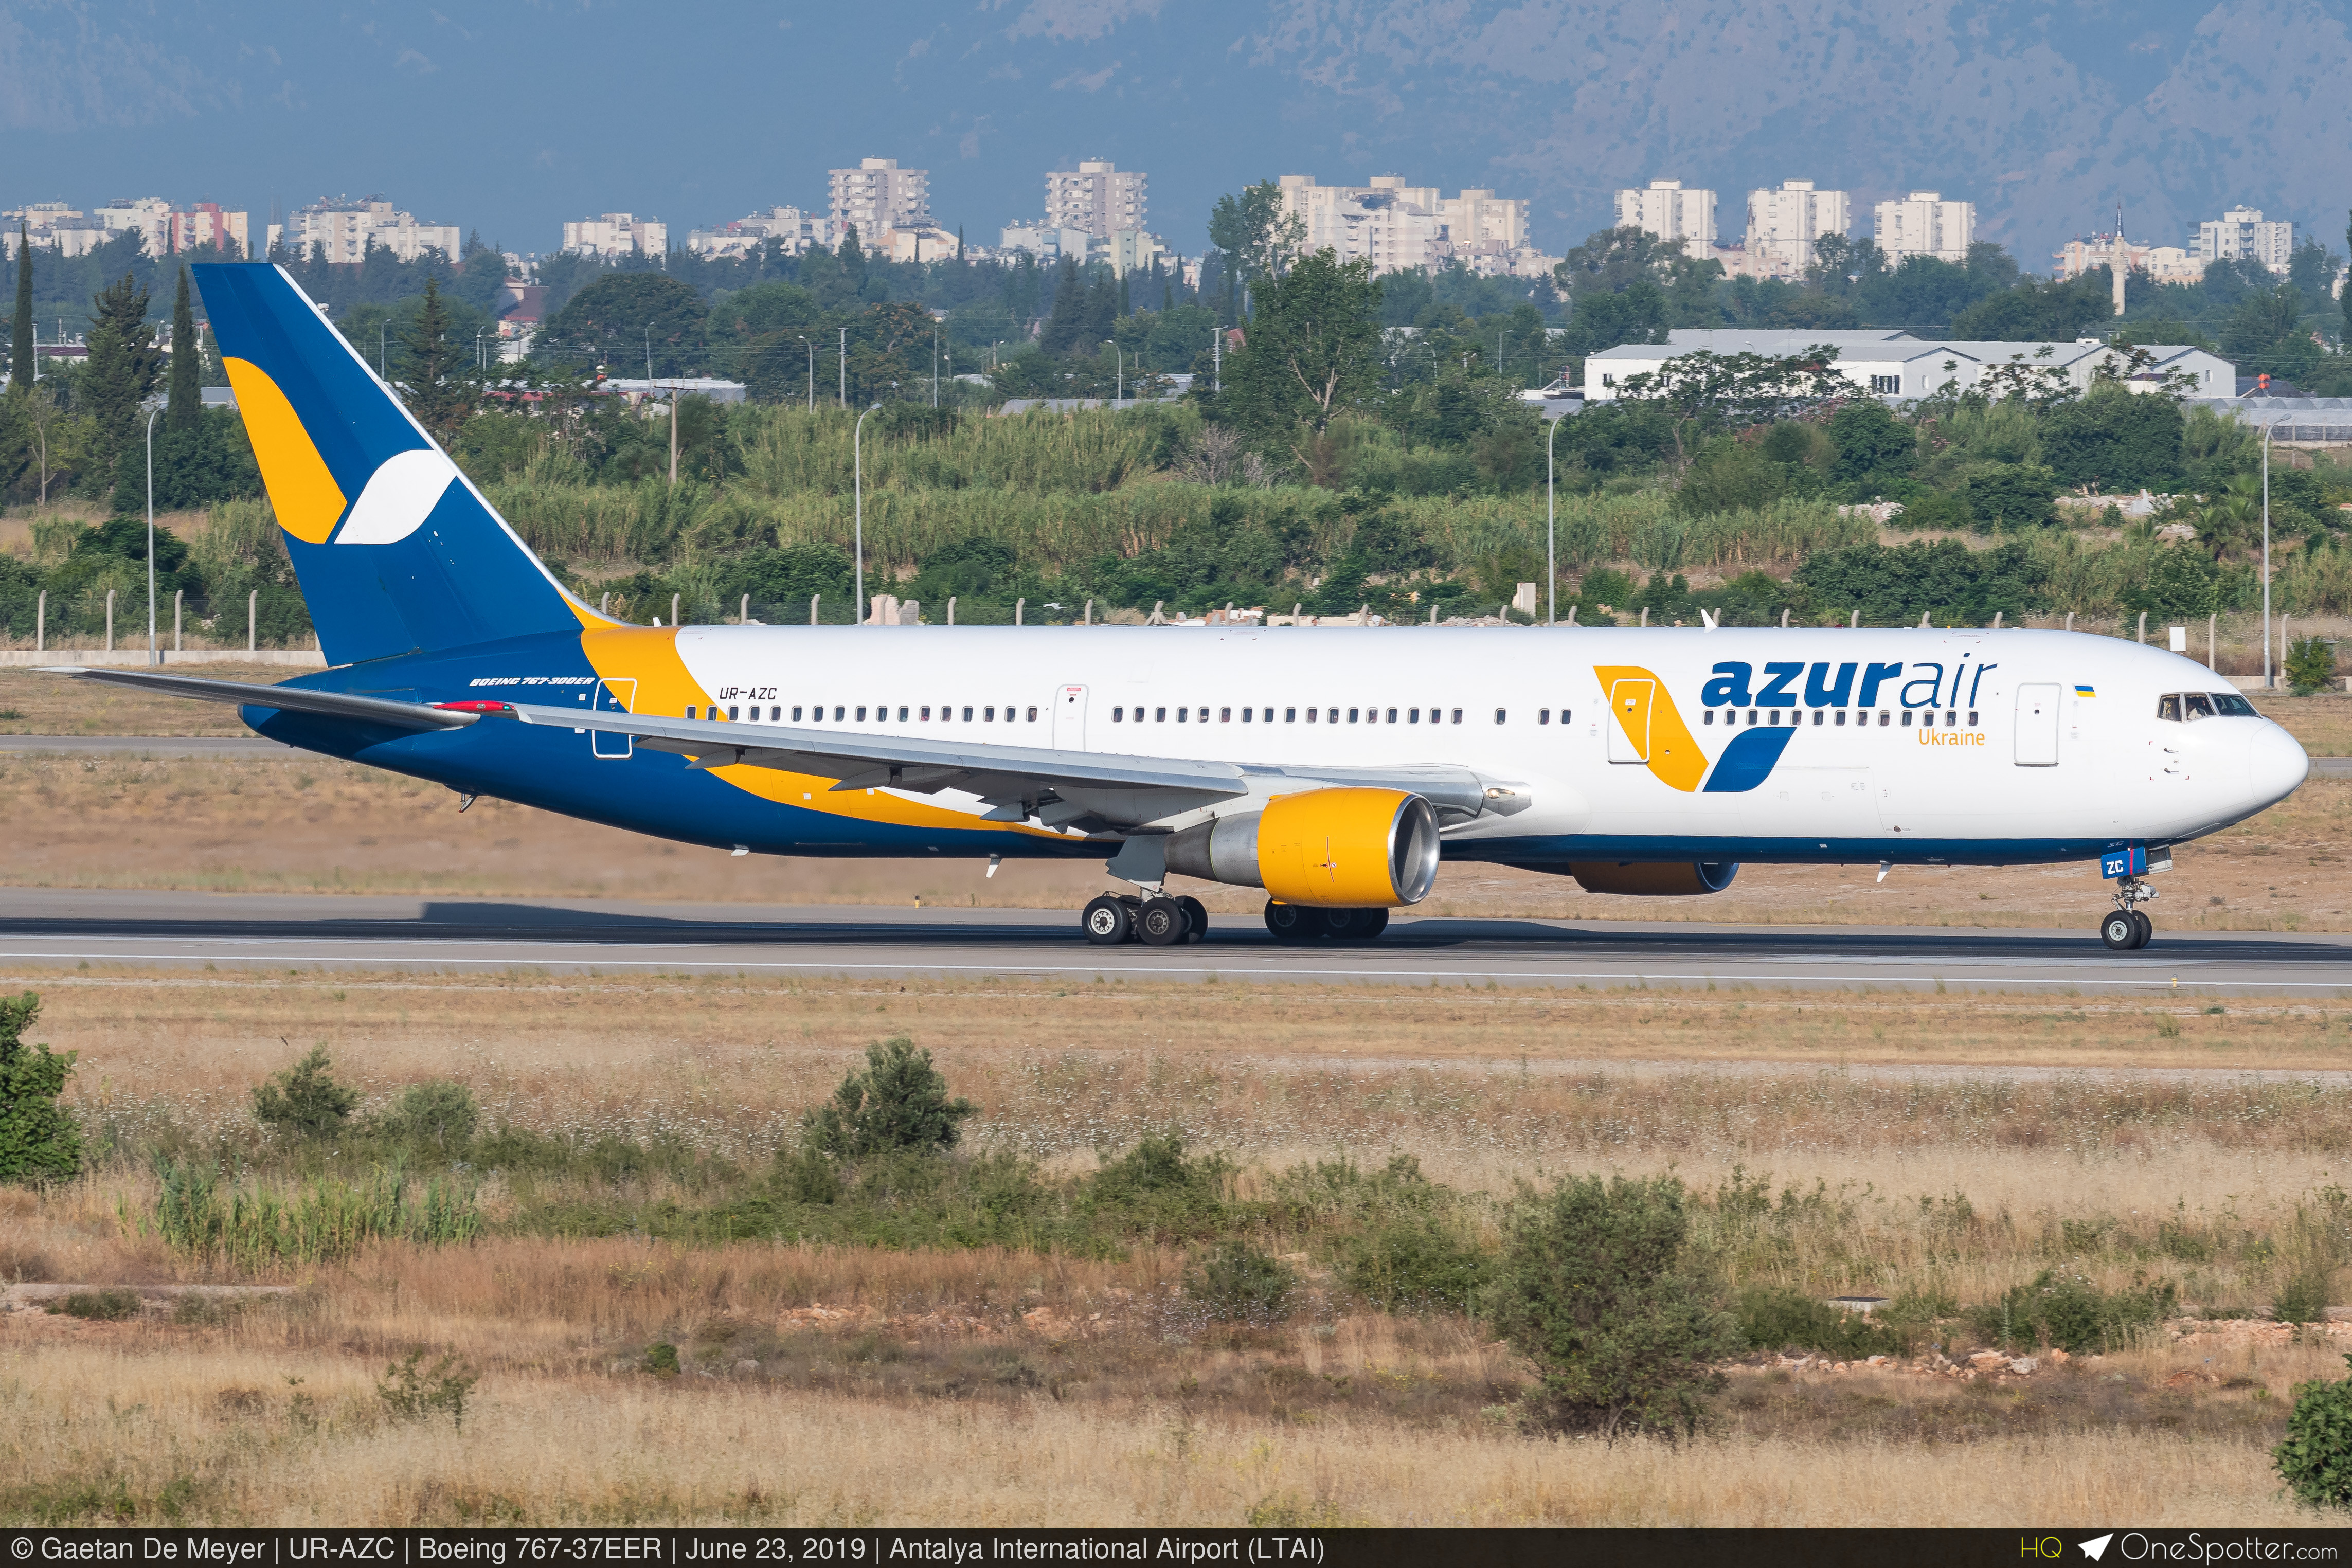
1328 849
1643 878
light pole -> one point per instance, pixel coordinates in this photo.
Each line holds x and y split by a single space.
478 347
1551 533
858 461
2270 681
1118 388
151 534
845 367
812 375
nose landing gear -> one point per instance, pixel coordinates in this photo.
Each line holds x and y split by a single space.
2126 927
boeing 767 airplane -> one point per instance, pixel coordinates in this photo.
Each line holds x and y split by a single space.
1334 770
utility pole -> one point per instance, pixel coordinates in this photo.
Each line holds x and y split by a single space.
673 437
1216 360
845 367
935 364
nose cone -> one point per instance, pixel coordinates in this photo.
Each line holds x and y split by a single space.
2276 764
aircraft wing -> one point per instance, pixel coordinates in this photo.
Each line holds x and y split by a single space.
290 699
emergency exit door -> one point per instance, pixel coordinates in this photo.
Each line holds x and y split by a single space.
1070 719
1630 703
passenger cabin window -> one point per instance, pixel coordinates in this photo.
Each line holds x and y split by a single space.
1500 713
1290 716
796 714
839 710
1457 715
689 710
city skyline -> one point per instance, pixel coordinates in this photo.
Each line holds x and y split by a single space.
232 105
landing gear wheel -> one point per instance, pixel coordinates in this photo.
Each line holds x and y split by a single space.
1289 923
1162 922
2147 927
2120 931
1356 925
1107 923
1196 918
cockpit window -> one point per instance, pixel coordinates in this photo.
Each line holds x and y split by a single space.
2168 707
2229 704
2198 704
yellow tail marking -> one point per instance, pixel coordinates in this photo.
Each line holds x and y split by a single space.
304 495
1675 760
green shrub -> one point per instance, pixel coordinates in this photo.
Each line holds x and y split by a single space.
1595 1287
2310 666
899 1101
410 1395
305 1100
1414 1263
39 1139
439 1112
1235 1282
252 1227
2314 1459
661 1359
1773 1317
1153 1191
2304 1298
99 1306
2072 1314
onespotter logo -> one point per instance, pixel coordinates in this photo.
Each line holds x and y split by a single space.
2096 1547
2189 1546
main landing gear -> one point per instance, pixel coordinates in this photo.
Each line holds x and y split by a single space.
2126 927
1297 923
1156 920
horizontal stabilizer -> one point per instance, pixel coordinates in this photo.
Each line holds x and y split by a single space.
287 699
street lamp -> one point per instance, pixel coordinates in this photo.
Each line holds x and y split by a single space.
812 375
1119 394
153 410
2270 681
857 460
1551 531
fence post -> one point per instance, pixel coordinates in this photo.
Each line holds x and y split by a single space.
2213 635
812 599
747 610
179 597
1020 609
2142 626
252 615
109 620
951 598
41 623
673 612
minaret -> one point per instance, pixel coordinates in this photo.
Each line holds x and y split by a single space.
2117 258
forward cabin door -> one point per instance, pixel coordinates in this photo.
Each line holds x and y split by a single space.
1070 719
1629 704
2037 725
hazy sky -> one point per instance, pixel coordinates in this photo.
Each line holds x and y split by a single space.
510 117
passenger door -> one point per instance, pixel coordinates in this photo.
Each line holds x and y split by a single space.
1070 719
1630 703
2037 725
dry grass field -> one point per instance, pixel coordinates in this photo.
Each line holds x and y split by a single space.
1960 1144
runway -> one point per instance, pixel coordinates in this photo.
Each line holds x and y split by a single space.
46 928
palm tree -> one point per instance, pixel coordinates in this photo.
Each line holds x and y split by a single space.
2230 523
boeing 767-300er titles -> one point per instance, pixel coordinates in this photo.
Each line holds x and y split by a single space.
1331 770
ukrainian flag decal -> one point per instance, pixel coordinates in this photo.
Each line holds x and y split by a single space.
2085 692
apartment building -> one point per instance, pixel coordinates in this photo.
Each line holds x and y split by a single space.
1096 196
1665 209
1783 224
798 232
878 194
2164 263
1924 223
344 229
2240 234
617 234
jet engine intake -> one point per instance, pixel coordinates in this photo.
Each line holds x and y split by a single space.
1328 849
1642 879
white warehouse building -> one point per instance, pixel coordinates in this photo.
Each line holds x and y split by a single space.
1897 366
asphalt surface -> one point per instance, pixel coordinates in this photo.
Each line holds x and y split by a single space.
42 927
254 744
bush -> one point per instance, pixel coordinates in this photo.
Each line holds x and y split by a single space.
305 1100
409 1395
39 1139
1235 1282
661 1359
1412 1263
1153 1191
2072 1314
1773 1317
2310 666
899 1102
437 1111
2304 1298
99 1306
2316 1458
1595 1289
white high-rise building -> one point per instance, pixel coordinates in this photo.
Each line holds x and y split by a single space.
1096 196
877 195
343 228
148 216
1483 220
1782 224
1664 208
616 233
1924 223
1394 226
2240 234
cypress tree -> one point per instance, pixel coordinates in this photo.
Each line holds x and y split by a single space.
434 393
183 403
21 351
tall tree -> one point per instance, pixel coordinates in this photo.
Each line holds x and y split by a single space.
433 387
21 351
184 406
1259 239
120 371
1313 349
